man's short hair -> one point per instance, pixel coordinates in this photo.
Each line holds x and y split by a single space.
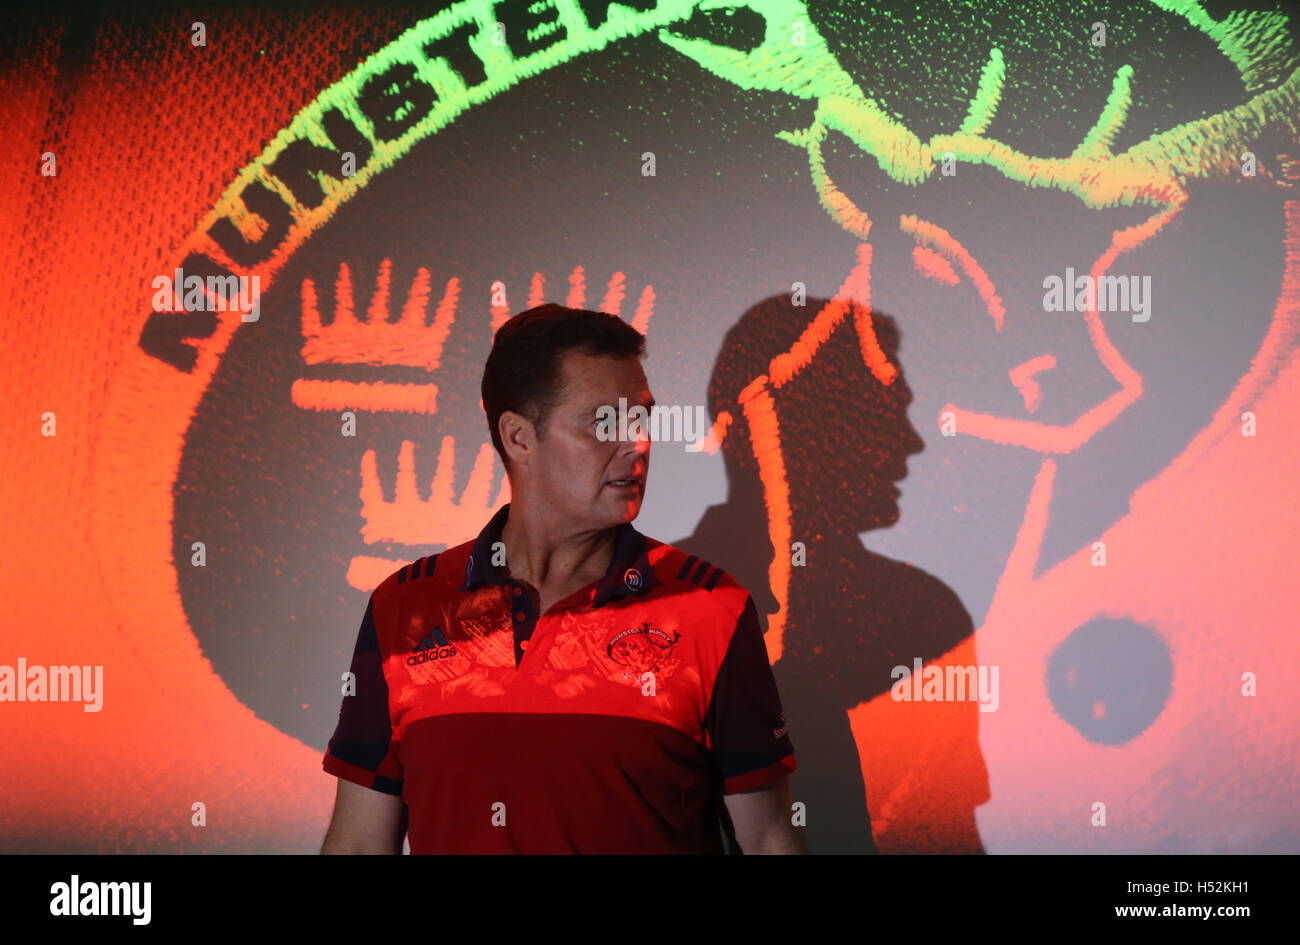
522 373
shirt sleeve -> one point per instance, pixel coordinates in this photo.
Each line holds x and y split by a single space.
362 749
745 722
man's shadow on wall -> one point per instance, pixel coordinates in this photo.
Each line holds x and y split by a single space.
824 422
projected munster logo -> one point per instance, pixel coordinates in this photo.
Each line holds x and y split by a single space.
341 435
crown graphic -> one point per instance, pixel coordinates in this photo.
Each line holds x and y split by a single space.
412 518
439 519
411 340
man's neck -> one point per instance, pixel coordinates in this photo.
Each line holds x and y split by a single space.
543 552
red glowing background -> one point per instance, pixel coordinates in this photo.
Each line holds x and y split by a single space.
1101 507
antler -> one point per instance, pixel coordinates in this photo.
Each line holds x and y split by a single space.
1152 172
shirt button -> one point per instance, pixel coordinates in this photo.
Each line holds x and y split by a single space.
518 591
523 644
519 616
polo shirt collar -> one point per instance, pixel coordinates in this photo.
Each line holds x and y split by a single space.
628 573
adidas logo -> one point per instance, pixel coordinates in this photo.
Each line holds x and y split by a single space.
430 649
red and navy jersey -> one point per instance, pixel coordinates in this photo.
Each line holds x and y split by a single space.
613 723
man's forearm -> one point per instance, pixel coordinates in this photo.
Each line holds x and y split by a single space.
338 845
782 838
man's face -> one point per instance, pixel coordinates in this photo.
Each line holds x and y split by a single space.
573 471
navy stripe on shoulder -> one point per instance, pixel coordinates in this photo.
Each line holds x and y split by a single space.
686 566
421 568
700 572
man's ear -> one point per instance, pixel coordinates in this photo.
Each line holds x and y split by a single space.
517 436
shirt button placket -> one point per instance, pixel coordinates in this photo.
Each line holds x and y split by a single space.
521 608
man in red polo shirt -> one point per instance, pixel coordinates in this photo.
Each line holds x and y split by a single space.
562 683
